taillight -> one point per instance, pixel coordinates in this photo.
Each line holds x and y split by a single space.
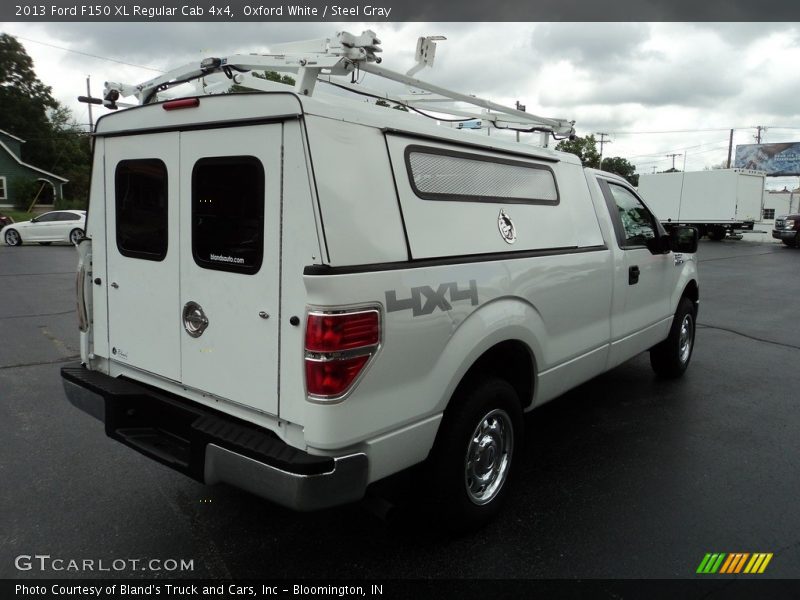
338 346
182 103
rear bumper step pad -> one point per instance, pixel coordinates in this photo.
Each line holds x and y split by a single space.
213 447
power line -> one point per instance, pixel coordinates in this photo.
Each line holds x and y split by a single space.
121 62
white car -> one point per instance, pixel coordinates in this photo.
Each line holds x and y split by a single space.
55 226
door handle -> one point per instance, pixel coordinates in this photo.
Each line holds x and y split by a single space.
633 275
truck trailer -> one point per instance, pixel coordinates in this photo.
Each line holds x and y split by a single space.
717 202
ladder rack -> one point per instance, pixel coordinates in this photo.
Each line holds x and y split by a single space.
325 58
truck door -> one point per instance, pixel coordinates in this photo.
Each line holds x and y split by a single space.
230 262
143 252
643 281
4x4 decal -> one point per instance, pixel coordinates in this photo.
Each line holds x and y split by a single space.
433 298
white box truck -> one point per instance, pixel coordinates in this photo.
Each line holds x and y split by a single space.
717 202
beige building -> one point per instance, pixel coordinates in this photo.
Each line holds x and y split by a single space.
780 202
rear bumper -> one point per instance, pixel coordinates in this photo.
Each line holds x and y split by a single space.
213 447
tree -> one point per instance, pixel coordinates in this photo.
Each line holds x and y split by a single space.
584 148
267 75
71 157
622 167
25 101
53 140
275 76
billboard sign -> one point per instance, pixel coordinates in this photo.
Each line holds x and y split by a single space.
775 159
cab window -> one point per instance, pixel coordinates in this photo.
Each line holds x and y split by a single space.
637 223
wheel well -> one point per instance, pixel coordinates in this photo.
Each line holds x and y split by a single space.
511 360
692 292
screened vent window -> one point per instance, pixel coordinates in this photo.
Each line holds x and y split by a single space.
444 175
228 213
141 203
769 213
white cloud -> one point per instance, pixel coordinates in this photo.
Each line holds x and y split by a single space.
613 77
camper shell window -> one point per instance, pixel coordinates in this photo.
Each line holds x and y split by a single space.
228 213
141 205
439 174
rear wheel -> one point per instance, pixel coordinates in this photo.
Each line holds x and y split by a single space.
472 458
716 234
671 357
13 238
75 236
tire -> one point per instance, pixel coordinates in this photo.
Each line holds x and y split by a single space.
45 243
716 234
671 357
472 459
75 236
13 238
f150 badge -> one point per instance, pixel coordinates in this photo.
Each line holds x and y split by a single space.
433 299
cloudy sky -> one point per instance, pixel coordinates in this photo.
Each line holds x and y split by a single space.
655 88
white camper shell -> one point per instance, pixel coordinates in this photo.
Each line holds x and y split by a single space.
301 295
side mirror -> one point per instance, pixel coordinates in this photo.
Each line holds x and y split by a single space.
35 220
659 244
683 240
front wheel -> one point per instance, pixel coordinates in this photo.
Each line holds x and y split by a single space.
671 357
474 453
75 236
13 238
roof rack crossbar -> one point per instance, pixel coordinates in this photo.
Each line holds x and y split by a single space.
337 56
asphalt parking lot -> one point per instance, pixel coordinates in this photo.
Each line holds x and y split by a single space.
625 477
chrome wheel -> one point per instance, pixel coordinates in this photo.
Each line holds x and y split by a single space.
488 457
12 238
75 236
685 338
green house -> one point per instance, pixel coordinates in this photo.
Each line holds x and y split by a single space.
13 169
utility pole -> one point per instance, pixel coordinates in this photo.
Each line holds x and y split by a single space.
730 149
603 140
89 104
759 129
672 156
654 169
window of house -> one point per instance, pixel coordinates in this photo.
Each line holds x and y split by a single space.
141 206
3 195
769 213
437 174
228 213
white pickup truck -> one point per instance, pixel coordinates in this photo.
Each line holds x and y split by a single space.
300 295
